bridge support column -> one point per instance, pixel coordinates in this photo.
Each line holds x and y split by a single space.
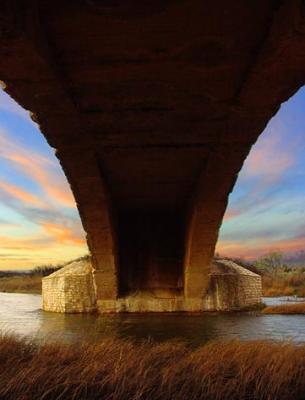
94 207
206 211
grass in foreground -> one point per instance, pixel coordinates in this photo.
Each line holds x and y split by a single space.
116 370
293 308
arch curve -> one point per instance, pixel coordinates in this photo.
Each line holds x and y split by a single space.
156 125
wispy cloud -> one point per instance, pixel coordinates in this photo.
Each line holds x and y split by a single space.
254 249
35 193
268 160
20 194
265 211
44 171
262 174
63 234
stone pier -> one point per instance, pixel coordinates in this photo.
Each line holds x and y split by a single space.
231 287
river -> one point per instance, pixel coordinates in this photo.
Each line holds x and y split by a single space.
21 315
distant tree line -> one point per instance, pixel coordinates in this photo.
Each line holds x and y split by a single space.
274 262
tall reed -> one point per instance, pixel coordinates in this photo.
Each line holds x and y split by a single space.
118 370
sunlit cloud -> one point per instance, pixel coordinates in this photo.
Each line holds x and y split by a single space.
263 172
20 194
269 160
63 234
265 206
42 170
254 249
231 213
35 194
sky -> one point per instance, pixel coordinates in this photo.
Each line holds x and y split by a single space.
266 210
39 221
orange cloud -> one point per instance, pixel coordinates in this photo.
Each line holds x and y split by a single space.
269 159
288 245
62 234
230 249
53 232
21 243
20 194
28 252
38 168
262 162
267 171
231 213
250 251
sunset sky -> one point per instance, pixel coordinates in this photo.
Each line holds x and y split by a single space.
39 222
267 206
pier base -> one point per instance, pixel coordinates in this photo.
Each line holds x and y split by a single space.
231 287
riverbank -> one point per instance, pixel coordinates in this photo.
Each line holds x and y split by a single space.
21 284
25 281
113 369
285 284
293 308
28 281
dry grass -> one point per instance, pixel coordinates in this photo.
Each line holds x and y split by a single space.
30 281
21 284
116 370
288 284
293 308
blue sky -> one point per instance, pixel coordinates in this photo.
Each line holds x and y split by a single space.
39 222
266 209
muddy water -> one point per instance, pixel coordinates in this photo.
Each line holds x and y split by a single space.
21 314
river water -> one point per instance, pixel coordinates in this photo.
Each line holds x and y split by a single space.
21 314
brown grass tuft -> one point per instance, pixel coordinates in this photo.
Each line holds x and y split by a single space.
118 370
21 284
293 308
284 285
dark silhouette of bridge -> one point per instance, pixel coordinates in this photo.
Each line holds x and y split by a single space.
152 107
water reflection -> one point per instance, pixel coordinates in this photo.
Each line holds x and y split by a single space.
22 315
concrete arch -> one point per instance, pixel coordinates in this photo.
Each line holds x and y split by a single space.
152 128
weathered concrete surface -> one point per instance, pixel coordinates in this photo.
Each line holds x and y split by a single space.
231 288
70 289
152 108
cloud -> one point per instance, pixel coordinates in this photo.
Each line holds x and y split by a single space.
53 225
45 172
264 212
63 234
8 224
231 213
32 243
51 235
34 191
269 159
255 249
57 196
20 194
263 174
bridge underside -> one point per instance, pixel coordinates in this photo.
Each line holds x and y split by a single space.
152 108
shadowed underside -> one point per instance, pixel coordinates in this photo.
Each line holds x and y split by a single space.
152 108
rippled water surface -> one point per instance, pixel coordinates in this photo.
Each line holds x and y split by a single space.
21 314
